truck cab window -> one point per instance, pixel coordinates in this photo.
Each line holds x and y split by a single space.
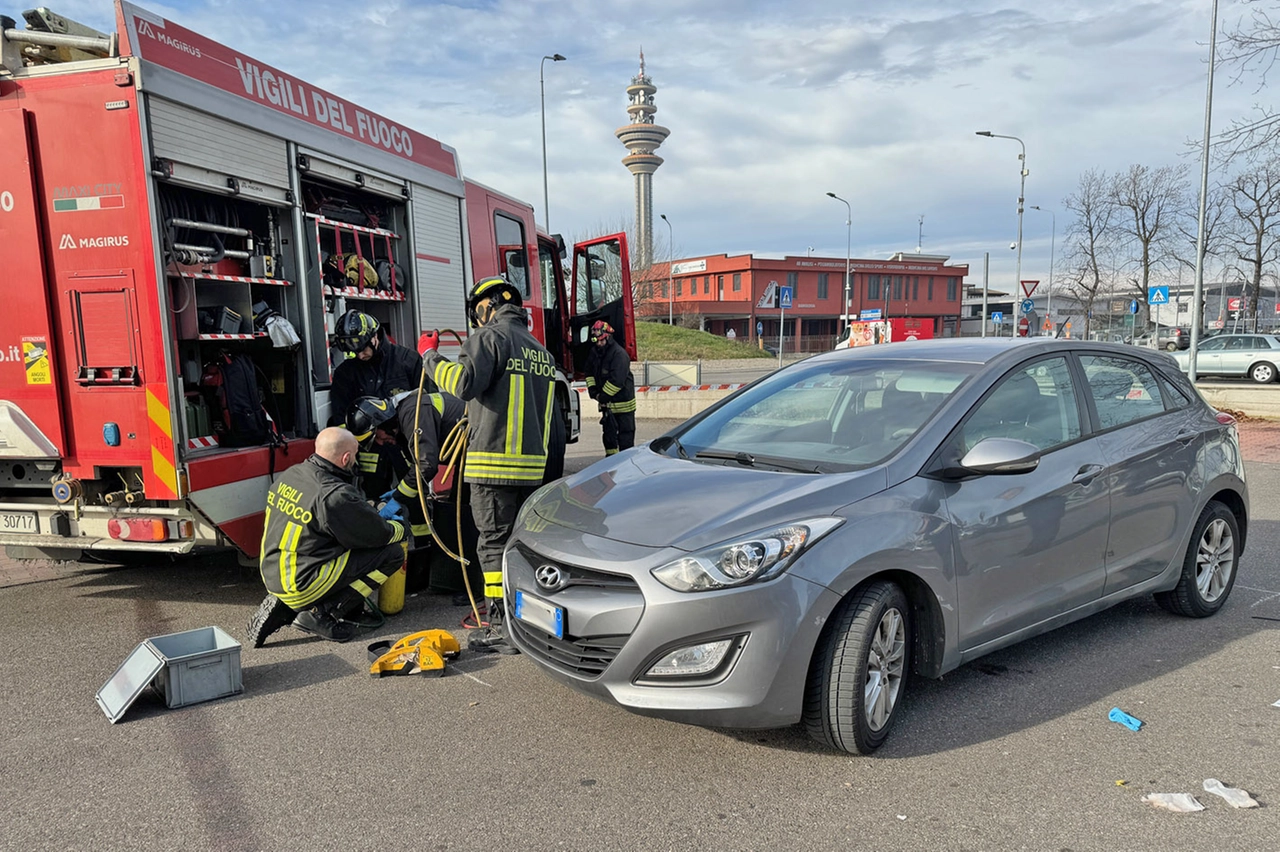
509 233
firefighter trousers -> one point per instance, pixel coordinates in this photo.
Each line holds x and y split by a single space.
366 570
619 431
494 508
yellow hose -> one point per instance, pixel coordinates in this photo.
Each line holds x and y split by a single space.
454 449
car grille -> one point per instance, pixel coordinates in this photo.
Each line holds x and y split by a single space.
587 658
576 576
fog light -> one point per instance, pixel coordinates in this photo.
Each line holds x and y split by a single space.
692 661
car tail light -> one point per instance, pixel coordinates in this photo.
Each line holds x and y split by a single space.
138 529
1224 418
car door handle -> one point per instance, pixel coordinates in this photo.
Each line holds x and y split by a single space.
1086 474
1185 437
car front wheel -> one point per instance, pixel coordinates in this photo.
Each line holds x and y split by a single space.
1209 568
1171 346
1263 373
860 669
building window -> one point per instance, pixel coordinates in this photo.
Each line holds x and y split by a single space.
793 281
822 285
873 288
915 288
930 296
680 287
720 287
664 290
952 284
706 285
897 287
737 282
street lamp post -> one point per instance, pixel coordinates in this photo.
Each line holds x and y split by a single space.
671 290
1022 186
848 243
546 204
1053 240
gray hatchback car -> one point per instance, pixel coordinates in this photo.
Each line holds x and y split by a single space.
797 551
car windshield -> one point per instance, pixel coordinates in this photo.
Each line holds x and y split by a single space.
822 417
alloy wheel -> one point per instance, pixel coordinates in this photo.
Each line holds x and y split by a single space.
886 663
1215 560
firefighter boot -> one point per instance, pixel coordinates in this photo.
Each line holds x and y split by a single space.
320 621
272 614
493 639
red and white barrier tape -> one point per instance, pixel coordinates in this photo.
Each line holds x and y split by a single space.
680 388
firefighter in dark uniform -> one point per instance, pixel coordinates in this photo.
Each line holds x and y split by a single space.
374 367
609 383
507 377
324 547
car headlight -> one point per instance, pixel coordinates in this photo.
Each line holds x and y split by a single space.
744 560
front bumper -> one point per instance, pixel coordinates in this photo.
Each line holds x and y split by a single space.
617 628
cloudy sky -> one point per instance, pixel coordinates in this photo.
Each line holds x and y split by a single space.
770 105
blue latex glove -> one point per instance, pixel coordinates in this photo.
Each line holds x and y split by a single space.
1118 715
391 510
389 495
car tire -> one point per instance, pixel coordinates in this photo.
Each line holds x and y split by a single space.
1171 346
1209 568
859 672
1263 373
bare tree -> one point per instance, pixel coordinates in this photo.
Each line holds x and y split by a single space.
1218 223
1147 204
1255 198
1252 46
1089 239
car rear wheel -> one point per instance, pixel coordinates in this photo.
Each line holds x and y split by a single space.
1263 373
860 669
1171 346
1209 568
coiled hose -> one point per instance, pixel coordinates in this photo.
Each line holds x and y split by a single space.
453 452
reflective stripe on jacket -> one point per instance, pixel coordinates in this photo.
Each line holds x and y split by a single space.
440 413
506 376
315 517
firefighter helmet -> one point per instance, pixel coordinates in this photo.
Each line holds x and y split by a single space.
366 414
354 332
495 288
600 330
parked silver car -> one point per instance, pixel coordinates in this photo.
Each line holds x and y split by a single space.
796 551
1237 355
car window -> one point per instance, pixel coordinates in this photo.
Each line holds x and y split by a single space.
1213 344
1123 390
1174 397
828 416
1239 343
1035 403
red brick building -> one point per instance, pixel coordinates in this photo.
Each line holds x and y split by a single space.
721 293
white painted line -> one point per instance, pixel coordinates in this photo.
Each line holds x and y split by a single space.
476 679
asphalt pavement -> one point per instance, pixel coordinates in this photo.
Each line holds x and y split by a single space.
1013 751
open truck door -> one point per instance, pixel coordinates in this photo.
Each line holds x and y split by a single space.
601 291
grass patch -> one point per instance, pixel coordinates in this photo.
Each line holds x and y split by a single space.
657 341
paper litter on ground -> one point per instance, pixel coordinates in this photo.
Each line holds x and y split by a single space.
1183 803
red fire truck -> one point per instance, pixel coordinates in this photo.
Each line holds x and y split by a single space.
158 191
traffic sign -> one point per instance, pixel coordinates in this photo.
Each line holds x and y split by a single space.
1158 295
1234 303
1029 288
874 314
1133 306
1024 327
759 328
1028 306
997 317
784 293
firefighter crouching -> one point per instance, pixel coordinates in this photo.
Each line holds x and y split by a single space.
609 382
506 376
324 548
417 428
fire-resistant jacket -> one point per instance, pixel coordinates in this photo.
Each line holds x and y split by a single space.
440 413
609 378
315 517
393 369
506 376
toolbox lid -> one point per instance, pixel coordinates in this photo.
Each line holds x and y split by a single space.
134 675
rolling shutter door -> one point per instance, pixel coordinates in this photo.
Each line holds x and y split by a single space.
441 273
188 137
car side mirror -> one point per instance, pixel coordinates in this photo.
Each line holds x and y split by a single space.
1001 456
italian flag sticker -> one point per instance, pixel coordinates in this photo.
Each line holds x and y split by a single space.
93 202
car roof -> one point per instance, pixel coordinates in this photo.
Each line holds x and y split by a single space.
969 350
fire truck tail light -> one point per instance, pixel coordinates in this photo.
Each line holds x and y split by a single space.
182 529
138 529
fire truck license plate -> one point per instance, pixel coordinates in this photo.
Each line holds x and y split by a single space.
18 522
